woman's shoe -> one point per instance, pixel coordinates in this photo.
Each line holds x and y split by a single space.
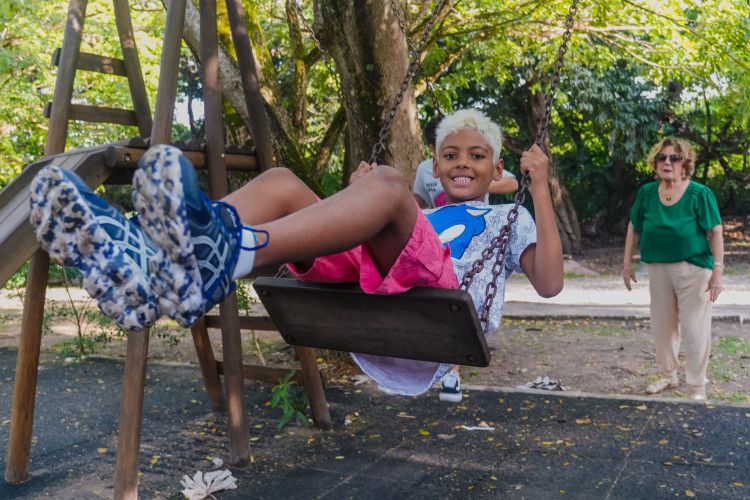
662 385
698 393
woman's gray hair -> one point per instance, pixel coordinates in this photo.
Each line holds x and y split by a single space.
683 148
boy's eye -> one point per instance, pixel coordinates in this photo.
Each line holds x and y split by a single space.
449 156
478 156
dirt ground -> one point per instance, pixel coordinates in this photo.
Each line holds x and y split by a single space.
588 355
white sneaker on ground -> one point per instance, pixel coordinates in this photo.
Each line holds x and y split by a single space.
451 390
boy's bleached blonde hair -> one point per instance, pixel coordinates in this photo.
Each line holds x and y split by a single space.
475 120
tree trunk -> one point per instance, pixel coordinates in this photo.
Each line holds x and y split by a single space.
565 213
371 55
283 134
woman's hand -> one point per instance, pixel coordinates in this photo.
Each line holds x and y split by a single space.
627 275
363 169
714 284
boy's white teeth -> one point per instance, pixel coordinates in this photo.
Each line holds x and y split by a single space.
462 180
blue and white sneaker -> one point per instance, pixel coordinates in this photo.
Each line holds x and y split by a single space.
203 237
79 229
451 388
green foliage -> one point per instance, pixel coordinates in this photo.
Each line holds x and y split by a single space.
293 401
18 280
633 73
93 328
168 336
245 298
734 345
31 33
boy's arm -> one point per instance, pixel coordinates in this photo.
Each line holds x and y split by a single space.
504 186
543 262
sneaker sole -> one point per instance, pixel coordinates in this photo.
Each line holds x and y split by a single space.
451 397
67 229
159 198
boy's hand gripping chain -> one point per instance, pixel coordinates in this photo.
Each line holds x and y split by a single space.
500 242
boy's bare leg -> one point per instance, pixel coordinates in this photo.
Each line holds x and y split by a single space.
283 222
378 210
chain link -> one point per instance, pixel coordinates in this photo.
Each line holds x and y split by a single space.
500 242
544 122
401 24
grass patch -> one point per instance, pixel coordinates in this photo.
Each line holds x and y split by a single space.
734 345
572 276
734 397
599 329
726 370
740 270
529 325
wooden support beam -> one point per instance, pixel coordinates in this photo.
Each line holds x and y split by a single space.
131 416
133 67
24 393
234 383
262 323
97 114
166 94
95 63
265 374
208 365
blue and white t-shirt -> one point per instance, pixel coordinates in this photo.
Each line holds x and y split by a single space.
468 229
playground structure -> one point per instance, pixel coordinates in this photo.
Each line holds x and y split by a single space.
113 163
424 324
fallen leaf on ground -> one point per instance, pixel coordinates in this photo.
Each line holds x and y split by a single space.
202 485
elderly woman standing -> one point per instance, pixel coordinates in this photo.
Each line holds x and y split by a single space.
678 223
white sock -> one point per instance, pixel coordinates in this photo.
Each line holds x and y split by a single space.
246 258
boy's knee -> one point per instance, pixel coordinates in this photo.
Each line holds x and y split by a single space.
280 173
391 179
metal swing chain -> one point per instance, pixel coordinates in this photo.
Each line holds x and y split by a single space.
500 242
378 147
334 75
402 24
544 123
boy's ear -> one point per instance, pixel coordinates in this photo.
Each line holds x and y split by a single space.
499 166
435 167
432 149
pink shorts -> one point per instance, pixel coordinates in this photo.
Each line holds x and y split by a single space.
423 262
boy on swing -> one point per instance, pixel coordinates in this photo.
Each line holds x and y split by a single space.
184 253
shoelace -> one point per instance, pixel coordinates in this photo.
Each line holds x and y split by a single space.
240 226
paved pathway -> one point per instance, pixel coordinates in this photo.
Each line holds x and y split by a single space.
608 297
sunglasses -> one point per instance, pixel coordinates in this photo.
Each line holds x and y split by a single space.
672 158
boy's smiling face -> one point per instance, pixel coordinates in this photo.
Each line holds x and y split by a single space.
464 166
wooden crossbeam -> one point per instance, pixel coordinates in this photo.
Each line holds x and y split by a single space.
95 63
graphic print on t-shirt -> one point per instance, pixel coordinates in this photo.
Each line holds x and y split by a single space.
457 225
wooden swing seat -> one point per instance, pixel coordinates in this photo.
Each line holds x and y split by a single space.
429 324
